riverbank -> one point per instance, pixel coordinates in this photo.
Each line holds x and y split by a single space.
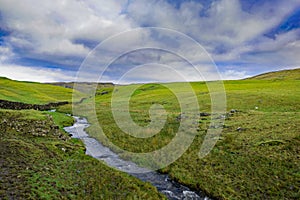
40 161
162 182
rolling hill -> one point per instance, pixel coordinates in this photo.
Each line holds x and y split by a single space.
291 74
256 156
32 92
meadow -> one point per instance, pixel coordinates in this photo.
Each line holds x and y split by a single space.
32 92
38 160
257 154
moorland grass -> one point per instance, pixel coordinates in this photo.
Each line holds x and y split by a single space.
257 155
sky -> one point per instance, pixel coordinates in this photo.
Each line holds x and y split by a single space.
51 40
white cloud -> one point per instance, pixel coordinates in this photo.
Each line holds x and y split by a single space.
233 75
51 26
279 52
225 21
226 30
57 31
64 48
36 74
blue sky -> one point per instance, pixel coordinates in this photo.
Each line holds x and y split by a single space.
48 40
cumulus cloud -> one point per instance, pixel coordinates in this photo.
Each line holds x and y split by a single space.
224 21
232 31
226 30
33 73
53 27
279 52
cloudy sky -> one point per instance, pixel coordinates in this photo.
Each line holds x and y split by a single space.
48 40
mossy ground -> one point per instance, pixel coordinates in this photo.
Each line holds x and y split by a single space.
257 155
39 161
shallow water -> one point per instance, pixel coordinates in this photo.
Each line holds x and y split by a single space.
162 182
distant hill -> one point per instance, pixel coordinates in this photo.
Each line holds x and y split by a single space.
71 84
31 92
291 74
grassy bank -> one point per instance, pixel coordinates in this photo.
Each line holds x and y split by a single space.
39 161
257 155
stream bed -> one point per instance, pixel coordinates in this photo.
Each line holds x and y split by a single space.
171 189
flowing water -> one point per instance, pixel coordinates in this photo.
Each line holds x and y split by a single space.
162 182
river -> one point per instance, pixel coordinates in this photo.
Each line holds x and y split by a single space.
171 189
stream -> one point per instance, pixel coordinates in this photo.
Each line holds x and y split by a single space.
171 189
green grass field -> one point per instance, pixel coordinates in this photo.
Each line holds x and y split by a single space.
30 92
257 155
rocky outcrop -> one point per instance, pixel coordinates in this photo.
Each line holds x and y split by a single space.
4 104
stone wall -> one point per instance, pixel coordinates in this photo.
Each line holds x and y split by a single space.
4 104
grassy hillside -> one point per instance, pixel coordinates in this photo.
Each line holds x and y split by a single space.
30 92
39 161
257 156
293 74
